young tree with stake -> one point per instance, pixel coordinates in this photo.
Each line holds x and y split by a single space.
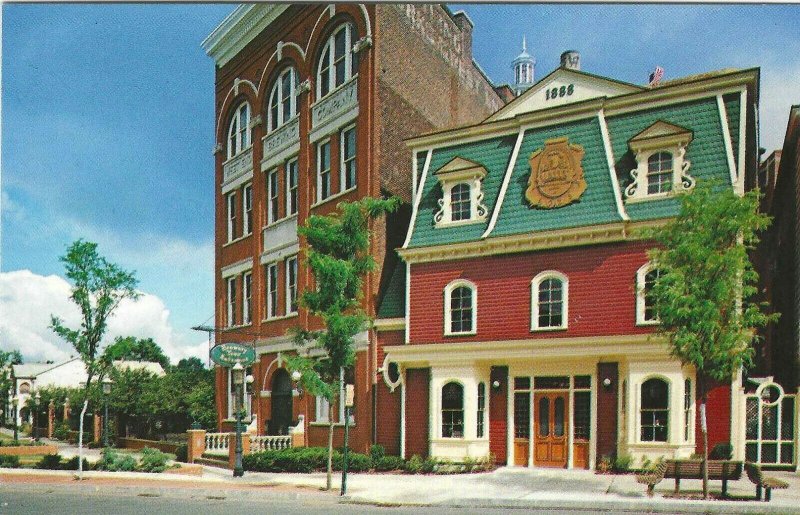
98 287
339 259
703 294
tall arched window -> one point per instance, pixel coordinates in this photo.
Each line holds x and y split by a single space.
283 99
646 278
452 410
337 63
239 130
460 308
460 202
659 173
549 300
655 411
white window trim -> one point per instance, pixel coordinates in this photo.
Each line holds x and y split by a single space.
289 310
348 60
448 318
640 300
278 90
241 144
670 407
320 199
247 226
269 285
273 217
689 415
230 301
231 214
287 168
247 298
535 283
473 177
342 171
681 180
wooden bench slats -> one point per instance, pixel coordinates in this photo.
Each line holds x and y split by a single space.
757 477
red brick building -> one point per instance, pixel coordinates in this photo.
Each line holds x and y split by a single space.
519 323
312 105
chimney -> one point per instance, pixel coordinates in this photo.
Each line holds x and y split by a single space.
464 23
571 60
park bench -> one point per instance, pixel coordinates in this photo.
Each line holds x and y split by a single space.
758 478
724 470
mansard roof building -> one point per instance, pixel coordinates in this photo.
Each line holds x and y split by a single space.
519 322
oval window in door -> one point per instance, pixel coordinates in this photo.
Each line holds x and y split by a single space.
544 416
558 417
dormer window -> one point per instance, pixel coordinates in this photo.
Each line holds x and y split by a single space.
661 166
462 194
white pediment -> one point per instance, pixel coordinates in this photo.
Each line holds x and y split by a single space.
561 87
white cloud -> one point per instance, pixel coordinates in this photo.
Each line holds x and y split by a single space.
27 300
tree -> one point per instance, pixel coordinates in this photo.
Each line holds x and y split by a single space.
703 294
339 259
136 349
98 287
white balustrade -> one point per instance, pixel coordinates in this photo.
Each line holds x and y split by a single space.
269 443
217 443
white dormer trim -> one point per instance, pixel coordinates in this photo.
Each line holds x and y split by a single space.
660 137
456 172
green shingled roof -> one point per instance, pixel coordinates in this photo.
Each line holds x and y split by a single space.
393 303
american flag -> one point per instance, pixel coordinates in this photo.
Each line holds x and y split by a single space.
656 76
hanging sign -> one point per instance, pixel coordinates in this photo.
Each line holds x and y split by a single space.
228 354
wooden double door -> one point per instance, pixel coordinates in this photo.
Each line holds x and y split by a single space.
550 429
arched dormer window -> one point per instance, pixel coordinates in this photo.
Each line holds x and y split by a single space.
646 278
460 202
549 301
662 168
338 63
654 412
452 410
283 99
460 308
659 173
239 130
462 196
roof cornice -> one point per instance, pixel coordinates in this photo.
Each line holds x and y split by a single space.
238 29
639 100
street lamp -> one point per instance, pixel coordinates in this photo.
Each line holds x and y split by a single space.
38 398
15 403
237 373
106 393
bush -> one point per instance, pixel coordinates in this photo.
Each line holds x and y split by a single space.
376 453
721 451
389 463
9 462
182 453
113 461
153 460
414 465
49 462
294 459
429 465
61 431
622 463
356 462
72 464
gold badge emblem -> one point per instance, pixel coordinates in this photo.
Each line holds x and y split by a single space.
556 174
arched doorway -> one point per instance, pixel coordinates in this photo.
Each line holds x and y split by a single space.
281 399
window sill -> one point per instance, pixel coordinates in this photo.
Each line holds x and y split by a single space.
548 329
332 197
237 240
234 327
334 90
654 196
278 318
280 221
647 323
234 156
470 333
458 223
326 424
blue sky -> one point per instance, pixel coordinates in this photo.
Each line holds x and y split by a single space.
108 115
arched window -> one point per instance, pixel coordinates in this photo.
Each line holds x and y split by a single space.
239 130
655 411
659 173
337 63
452 410
283 99
25 388
460 308
460 202
646 278
549 299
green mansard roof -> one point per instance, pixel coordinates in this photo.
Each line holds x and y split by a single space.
491 146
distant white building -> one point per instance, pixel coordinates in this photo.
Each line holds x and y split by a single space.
29 377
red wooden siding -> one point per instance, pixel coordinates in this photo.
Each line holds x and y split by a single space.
602 287
498 414
607 409
417 408
718 417
387 412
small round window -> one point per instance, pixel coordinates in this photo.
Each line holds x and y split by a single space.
770 394
394 373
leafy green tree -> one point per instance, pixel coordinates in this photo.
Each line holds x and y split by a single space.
98 287
136 349
339 259
703 295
